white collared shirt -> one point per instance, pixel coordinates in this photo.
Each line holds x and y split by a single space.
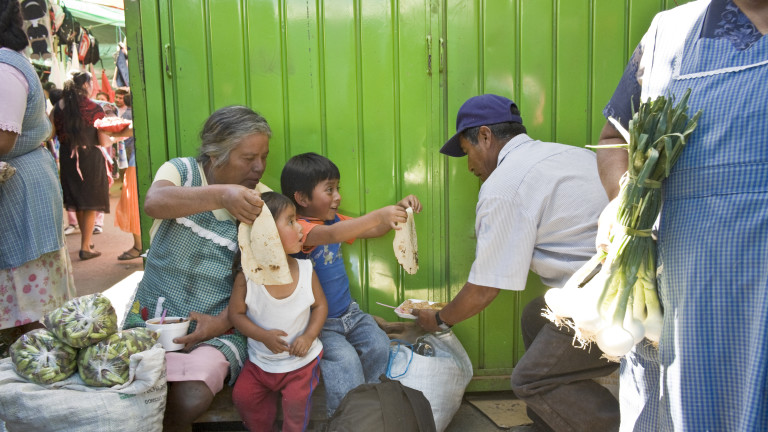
537 211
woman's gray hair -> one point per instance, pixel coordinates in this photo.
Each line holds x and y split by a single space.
224 131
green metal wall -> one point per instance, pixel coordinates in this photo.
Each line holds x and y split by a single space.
375 85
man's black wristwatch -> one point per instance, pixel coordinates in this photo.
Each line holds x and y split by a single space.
440 323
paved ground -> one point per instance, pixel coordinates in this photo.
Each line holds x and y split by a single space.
98 274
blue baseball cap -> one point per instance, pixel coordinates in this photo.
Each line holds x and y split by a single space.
480 110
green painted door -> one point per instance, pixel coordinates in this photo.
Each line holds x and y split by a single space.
375 85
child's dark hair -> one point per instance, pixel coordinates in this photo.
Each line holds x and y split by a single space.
303 172
276 203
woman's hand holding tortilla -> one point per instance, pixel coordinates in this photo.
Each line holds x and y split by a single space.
242 203
207 327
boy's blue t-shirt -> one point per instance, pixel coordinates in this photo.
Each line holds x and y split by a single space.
329 266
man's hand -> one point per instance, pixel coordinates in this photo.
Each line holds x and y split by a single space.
470 301
412 202
274 341
208 327
243 203
426 319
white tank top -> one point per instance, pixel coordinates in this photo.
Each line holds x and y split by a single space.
290 314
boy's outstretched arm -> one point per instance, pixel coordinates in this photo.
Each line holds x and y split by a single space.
378 221
317 318
273 339
401 217
370 225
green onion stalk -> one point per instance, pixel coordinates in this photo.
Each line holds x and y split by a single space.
620 307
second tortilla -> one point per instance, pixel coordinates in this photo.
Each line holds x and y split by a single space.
406 245
263 258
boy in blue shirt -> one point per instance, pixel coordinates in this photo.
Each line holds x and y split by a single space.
356 349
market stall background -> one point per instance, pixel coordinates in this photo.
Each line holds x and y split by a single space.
375 86
104 19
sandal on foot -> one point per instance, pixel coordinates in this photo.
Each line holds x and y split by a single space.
129 255
86 255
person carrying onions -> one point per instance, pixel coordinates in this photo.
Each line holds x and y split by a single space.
537 211
709 371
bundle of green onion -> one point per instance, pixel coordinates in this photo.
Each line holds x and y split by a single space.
620 306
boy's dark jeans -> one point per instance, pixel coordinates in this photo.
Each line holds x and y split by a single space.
555 379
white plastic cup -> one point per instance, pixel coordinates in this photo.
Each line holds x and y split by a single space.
171 328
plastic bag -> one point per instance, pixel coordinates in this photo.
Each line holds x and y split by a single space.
43 359
122 159
441 377
106 363
83 321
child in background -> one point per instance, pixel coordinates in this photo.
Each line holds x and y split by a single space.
356 349
282 323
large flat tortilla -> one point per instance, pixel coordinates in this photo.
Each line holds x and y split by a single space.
263 258
406 246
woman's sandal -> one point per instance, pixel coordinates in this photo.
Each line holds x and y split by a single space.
86 255
127 255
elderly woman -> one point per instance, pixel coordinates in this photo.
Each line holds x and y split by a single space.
35 272
196 204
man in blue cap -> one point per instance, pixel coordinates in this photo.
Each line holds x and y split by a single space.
537 210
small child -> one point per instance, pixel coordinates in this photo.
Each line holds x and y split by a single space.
282 323
356 349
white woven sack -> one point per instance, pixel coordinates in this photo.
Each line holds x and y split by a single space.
442 378
70 405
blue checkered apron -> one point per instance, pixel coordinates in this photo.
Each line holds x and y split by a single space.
190 265
710 372
28 227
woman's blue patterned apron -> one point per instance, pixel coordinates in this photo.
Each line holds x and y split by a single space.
712 370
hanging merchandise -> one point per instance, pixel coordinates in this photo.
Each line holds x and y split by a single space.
83 45
68 29
92 55
33 9
121 70
105 87
56 14
56 76
38 27
74 66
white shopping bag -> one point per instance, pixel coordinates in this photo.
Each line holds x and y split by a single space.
442 377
